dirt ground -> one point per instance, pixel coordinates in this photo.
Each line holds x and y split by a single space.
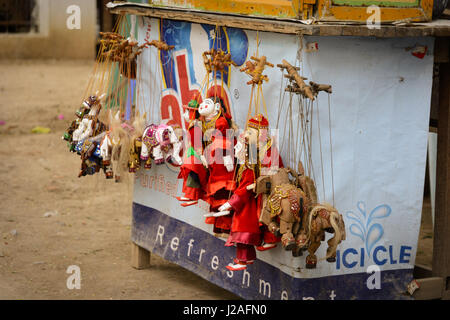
90 223
92 226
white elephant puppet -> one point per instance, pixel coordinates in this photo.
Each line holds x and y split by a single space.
162 144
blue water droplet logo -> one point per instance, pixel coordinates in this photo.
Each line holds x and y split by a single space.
362 224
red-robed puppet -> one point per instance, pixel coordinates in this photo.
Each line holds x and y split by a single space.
256 156
219 160
263 152
245 230
193 172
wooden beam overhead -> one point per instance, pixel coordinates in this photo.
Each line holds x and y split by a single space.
437 28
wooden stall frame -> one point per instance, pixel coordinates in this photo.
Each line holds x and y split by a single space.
322 10
327 11
441 242
262 8
434 283
436 28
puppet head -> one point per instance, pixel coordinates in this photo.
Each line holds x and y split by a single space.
255 136
93 104
259 125
209 107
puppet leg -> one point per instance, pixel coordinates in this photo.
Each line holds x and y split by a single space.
286 224
311 258
158 155
269 239
245 255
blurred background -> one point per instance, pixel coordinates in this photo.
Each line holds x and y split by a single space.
49 218
36 29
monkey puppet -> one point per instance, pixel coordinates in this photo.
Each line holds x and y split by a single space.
220 184
192 171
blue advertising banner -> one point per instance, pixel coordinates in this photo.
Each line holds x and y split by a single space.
202 253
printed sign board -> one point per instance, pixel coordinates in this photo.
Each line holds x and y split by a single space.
369 156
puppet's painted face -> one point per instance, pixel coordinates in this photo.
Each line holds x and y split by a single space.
240 149
256 137
208 107
251 141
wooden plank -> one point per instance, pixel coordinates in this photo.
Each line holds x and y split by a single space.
430 288
273 8
446 295
421 271
287 26
441 55
441 244
215 19
346 13
441 50
140 257
106 23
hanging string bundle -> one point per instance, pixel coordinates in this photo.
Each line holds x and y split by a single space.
114 146
319 218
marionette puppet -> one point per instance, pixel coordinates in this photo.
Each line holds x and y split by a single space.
243 208
314 219
285 205
87 137
269 163
169 147
269 159
217 156
115 147
192 171
106 145
218 148
136 132
99 146
68 135
91 160
120 146
254 155
243 205
90 125
160 143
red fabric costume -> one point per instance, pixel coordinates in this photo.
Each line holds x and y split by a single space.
193 173
220 181
271 160
245 231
